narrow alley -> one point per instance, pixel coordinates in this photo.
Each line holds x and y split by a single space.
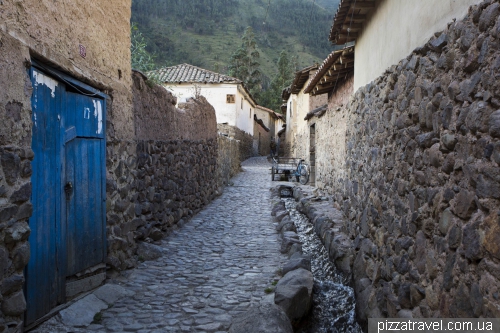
214 267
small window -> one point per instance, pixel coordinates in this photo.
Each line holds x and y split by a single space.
230 99
242 103
250 113
291 108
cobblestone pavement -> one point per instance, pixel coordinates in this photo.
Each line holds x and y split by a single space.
216 266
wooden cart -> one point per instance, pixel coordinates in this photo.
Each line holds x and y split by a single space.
284 166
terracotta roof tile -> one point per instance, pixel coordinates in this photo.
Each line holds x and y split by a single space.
337 66
186 73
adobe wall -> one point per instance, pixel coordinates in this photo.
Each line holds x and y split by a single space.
161 179
15 173
50 33
420 185
53 32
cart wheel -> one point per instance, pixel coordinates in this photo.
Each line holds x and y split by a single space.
272 174
304 174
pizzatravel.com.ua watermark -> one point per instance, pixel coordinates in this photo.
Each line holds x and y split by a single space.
463 325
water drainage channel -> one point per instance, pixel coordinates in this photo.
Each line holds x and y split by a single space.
333 308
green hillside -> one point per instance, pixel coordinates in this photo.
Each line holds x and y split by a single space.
206 32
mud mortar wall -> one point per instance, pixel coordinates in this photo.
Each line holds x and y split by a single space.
228 159
245 139
420 185
162 178
53 32
15 184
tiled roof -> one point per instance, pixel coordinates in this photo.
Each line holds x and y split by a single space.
186 73
301 78
274 114
260 122
279 116
349 20
336 67
318 112
264 108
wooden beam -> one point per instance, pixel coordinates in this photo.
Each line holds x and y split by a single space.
343 39
363 5
353 26
337 73
345 60
355 17
345 32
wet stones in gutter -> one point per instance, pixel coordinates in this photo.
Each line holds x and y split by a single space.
293 292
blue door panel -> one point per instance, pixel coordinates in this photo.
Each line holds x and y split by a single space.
85 114
68 228
84 207
44 283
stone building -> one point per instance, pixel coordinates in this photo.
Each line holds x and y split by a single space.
93 159
265 124
64 76
233 104
409 148
298 105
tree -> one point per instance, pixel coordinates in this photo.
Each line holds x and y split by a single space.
142 60
244 63
271 98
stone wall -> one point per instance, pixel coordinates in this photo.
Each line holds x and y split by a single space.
228 159
330 137
162 178
51 35
261 140
15 185
420 186
54 33
245 139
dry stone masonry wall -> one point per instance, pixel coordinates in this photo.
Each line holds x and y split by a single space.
245 139
420 185
158 181
228 159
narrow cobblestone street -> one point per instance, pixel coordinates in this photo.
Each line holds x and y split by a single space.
213 268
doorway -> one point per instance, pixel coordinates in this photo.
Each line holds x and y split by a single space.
68 225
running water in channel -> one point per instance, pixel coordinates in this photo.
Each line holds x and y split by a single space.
333 308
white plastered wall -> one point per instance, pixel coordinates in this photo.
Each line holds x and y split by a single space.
230 113
244 120
396 28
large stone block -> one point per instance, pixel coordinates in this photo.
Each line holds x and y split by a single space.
262 319
464 204
22 195
14 305
11 165
294 293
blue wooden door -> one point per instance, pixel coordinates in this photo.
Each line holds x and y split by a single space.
84 182
45 270
68 222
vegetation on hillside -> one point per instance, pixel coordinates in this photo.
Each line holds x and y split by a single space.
207 33
244 63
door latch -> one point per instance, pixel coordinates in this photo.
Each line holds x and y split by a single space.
68 189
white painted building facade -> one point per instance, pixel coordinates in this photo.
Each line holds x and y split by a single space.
232 102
